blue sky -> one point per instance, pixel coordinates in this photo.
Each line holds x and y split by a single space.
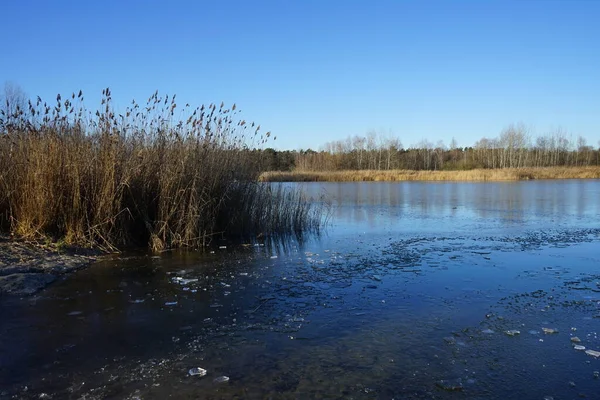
316 71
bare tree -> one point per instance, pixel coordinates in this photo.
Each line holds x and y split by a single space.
513 141
581 150
358 143
393 146
371 147
12 103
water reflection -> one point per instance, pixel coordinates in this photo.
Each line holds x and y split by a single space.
376 204
407 294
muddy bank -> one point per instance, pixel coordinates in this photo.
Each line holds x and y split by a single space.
26 268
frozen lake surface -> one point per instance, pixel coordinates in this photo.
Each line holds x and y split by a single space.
414 291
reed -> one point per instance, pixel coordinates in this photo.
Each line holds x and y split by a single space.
474 175
152 175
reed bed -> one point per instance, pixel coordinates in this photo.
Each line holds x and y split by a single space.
154 175
474 175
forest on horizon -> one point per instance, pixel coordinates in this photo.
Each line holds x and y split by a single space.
515 147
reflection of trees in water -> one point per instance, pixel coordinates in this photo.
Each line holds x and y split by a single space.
522 201
509 203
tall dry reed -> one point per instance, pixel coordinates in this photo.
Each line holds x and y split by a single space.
153 175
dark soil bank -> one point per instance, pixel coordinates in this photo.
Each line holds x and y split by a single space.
26 268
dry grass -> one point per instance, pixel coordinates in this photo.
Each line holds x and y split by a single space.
475 175
138 178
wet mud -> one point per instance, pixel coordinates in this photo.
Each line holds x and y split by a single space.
26 268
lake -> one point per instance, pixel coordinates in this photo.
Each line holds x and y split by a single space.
412 291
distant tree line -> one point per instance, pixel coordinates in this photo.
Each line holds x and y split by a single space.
515 147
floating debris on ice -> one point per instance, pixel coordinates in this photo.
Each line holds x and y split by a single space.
512 332
549 331
221 379
183 281
197 371
579 347
137 301
593 353
575 339
171 303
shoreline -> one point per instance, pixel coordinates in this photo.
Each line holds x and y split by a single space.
474 175
26 268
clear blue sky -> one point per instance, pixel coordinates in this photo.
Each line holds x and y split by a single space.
315 71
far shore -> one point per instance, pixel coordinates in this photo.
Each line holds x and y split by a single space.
474 175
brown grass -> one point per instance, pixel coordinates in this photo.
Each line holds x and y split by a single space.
475 175
139 178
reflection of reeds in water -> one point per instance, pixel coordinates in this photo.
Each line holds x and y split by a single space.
265 208
475 175
115 180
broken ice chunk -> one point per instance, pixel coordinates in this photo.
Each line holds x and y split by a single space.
197 371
